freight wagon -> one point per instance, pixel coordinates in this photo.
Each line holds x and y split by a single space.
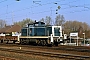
10 34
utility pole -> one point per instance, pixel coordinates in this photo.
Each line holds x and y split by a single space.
12 18
84 38
51 15
6 12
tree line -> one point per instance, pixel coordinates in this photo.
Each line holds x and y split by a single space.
67 25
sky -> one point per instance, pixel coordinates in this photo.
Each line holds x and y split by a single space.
14 11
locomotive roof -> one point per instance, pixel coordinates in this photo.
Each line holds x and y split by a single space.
36 23
39 22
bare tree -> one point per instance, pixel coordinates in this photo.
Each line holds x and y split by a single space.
2 23
85 26
42 20
75 26
24 22
48 20
59 20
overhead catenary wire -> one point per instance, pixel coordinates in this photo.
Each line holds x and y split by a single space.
33 13
62 8
44 12
3 1
6 5
34 7
77 6
47 11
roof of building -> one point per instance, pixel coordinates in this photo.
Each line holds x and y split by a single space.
12 28
2 30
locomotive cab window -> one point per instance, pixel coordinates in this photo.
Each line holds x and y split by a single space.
57 31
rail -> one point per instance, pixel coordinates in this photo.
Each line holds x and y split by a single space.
48 54
7 58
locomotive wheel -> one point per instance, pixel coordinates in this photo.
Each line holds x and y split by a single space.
55 43
1 41
41 42
44 42
7 42
21 41
14 42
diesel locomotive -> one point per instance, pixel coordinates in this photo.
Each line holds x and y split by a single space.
38 33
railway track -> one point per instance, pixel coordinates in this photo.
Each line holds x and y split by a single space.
74 49
65 48
48 54
7 58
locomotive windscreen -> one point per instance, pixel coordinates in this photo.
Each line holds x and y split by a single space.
57 31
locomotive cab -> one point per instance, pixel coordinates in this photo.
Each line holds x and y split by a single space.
56 35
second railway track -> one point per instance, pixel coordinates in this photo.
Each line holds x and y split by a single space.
48 54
